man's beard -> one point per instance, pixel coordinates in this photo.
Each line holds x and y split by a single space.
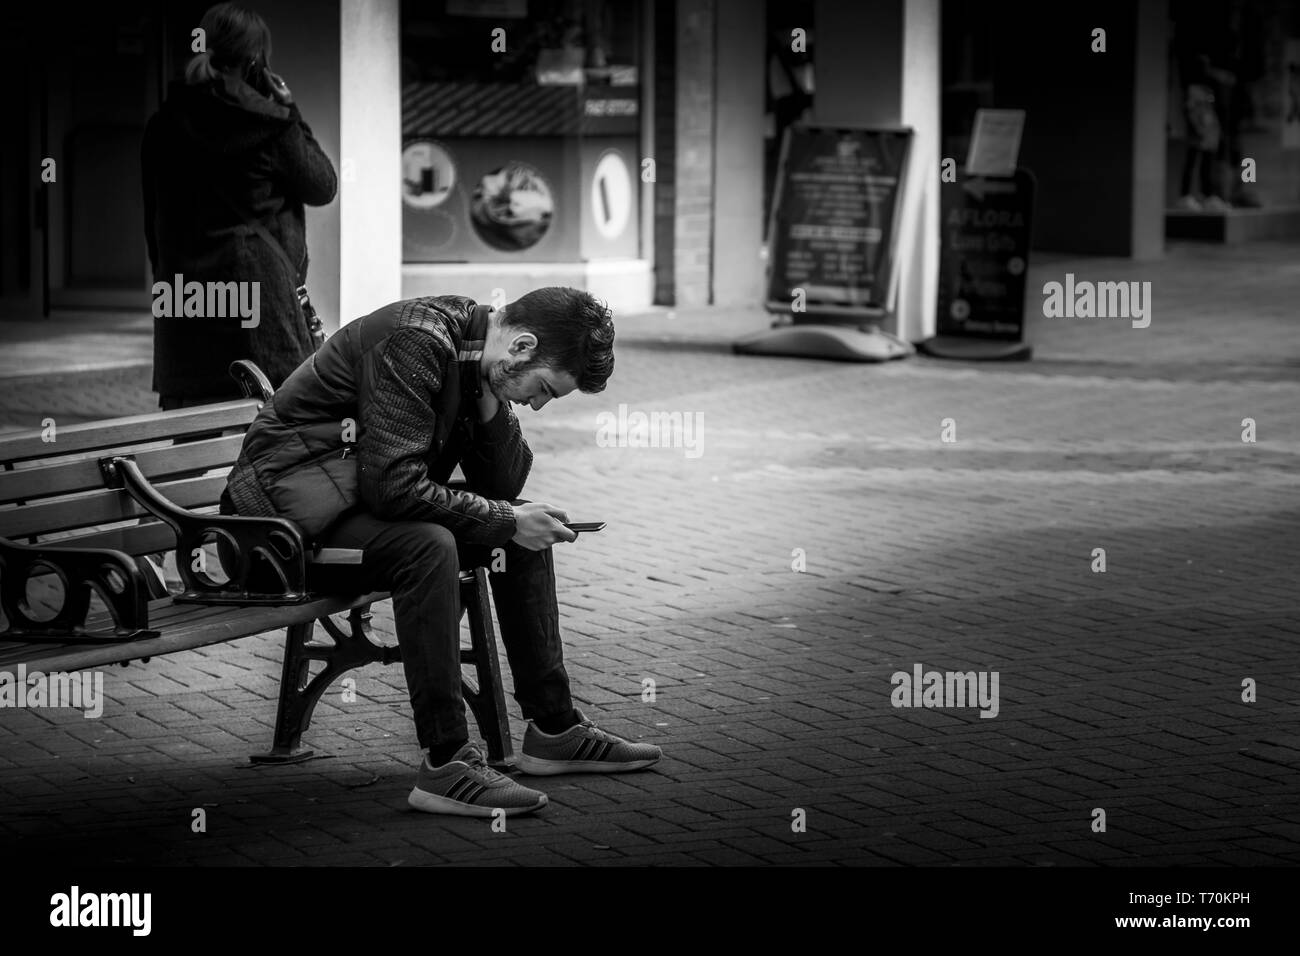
500 377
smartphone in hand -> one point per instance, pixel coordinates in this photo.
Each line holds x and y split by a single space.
578 527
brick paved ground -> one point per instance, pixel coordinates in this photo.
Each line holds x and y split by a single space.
1119 691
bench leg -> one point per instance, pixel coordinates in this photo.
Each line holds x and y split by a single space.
299 692
487 701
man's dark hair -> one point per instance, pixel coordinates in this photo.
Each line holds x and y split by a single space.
575 333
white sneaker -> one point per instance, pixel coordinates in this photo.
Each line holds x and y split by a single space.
1188 203
1215 204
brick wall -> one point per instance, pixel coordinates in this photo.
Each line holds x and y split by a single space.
665 138
684 131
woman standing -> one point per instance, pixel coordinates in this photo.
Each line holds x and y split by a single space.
228 165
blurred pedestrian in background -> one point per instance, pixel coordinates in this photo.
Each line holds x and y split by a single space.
1221 55
227 166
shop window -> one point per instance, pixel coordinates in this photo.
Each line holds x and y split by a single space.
521 124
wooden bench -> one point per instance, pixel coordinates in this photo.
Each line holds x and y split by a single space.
79 512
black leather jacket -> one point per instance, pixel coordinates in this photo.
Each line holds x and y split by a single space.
378 419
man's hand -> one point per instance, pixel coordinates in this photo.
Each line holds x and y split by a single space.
538 526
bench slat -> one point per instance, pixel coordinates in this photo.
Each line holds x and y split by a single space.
103 507
136 539
82 474
184 627
135 430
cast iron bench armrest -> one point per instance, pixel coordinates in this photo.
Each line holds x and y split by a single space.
112 575
277 544
251 380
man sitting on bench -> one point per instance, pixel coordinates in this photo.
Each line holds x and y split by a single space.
357 447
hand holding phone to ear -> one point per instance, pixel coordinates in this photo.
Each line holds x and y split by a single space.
278 89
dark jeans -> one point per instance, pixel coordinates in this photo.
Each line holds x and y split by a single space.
420 563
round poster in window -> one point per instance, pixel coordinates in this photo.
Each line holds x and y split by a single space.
611 194
428 174
512 207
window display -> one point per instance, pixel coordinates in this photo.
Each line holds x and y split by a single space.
520 125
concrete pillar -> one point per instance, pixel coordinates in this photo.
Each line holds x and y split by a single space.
693 194
738 268
345 75
370 121
662 145
918 237
878 64
649 125
1150 93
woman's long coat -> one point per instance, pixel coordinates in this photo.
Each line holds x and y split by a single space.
215 139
